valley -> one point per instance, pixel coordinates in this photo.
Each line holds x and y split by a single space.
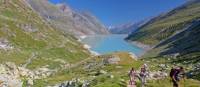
44 44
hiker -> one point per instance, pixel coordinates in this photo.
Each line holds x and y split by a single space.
176 74
143 74
132 75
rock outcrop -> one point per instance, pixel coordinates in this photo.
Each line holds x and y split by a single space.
11 75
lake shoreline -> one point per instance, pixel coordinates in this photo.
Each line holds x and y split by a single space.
104 44
141 45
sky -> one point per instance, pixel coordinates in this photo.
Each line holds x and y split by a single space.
117 12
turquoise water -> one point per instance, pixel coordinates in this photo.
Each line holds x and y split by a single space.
111 43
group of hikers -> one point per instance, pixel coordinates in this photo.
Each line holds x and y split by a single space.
175 74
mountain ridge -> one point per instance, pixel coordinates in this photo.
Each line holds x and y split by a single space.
127 28
67 20
164 23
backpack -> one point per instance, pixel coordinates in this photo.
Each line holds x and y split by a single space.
175 73
172 72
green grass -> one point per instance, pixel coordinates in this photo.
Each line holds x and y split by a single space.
15 56
8 13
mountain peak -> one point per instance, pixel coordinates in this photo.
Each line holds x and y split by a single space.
63 7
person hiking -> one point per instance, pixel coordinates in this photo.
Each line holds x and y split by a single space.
132 75
175 75
143 74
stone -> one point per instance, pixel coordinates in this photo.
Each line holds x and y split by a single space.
5 45
111 76
30 82
2 69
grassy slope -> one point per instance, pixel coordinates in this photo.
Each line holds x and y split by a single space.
102 80
165 25
120 74
46 43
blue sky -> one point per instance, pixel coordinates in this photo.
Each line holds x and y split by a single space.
115 12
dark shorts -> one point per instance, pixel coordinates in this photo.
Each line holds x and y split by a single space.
175 83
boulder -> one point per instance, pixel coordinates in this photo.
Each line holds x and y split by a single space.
30 82
102 72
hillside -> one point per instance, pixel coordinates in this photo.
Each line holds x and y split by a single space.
25 32
174 36
62 17
181 49
165 25
30 47
179 42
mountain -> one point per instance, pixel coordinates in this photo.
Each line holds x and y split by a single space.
127 28
30 48
174 36
62 17
167 24
122 29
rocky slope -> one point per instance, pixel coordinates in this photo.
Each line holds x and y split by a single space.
62 17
